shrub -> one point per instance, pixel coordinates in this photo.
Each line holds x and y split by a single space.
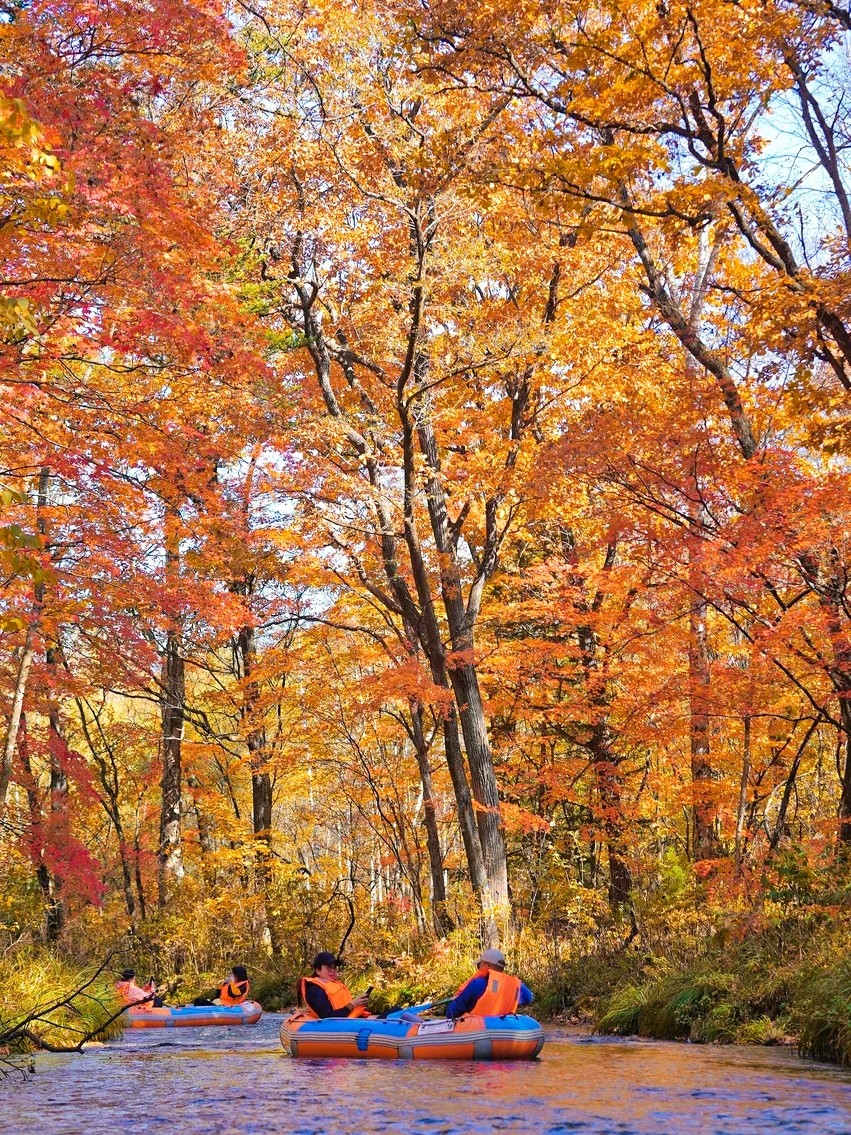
761 1030
623 1015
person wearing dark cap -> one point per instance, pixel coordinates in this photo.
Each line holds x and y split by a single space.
325 994
490 992
133 994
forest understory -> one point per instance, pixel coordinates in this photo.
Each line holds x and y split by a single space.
776 972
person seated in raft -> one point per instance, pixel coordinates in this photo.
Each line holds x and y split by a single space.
325 994
233 990
491 992
144 996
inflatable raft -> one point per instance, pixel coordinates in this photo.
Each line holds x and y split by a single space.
469 1038
193 1016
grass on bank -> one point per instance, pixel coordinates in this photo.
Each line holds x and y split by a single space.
746 995
825 1015
47 989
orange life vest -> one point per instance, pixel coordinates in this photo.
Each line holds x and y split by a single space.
131 993
335 991
501 995
233 992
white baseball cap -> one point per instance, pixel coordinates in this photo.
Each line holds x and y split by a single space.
492 957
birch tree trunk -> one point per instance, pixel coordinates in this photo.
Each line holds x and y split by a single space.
704 812
261 780
439 913
464 678
27 651
14 722
173 699
58 748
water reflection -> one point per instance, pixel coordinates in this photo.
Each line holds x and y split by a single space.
238 1082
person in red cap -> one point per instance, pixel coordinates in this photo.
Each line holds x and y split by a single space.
491 992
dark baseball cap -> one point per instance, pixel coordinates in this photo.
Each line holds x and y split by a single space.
324 958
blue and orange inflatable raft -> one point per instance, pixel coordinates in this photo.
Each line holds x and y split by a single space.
193 1016
514 1037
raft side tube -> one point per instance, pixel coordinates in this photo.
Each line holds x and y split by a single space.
192 1016
515 1037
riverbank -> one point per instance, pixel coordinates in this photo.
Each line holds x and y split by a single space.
765 978
763 989
49 1002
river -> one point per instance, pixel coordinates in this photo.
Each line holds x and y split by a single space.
238 1081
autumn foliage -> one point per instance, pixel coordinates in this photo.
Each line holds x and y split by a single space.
425 467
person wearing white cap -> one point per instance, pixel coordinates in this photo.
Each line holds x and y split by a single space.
490 992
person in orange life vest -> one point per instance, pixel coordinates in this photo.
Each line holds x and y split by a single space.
491 992
325 994
233 990
141 995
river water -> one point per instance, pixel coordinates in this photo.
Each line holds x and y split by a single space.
237 1081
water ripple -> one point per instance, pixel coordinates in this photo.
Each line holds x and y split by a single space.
238 1082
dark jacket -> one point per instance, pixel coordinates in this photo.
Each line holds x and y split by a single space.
317 999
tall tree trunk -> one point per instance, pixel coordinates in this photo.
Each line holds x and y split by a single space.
465 685
126 878
13 725
704 807
255 736
124 855
743 792
56 745
50 883
173 709
27 652
439 913
428 634
607 782
205 833
42 872
58 748
470 830
845 797
464 678
831 588
137 873
601 739
464 806
421 623
261 780
170 858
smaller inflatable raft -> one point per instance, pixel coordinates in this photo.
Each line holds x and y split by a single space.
193 1016
469 1038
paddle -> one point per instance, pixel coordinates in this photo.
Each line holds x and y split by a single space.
397 1013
